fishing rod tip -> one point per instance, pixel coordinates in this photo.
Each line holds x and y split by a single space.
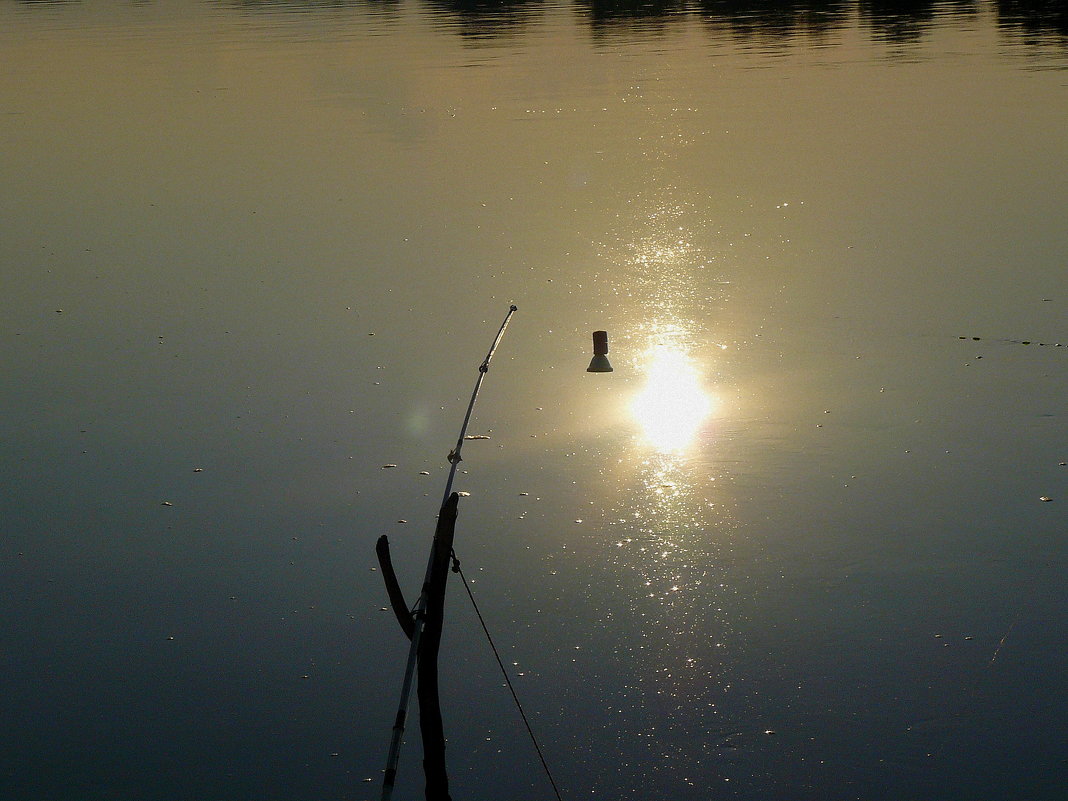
513 307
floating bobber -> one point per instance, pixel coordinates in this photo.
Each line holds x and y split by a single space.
599 363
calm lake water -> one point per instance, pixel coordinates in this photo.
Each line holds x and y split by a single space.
796 546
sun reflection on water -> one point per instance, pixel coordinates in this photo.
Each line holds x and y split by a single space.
675 522
673 404
673 533
673 553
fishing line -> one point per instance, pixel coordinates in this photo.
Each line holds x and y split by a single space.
504 672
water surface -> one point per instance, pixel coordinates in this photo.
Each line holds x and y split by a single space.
793 546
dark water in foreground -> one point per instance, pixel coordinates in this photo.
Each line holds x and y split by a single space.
794 547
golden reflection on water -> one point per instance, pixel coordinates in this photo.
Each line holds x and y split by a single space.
677 529
674 534
674 553
680 524
673 404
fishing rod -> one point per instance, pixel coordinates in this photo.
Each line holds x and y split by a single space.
419 611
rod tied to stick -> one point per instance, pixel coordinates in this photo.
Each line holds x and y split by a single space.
433 584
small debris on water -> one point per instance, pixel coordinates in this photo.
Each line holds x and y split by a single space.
464 494
402 521
1045 499
387 466
198 469
477 436
424 472
527 493
166 503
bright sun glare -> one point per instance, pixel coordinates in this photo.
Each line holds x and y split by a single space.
673 404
